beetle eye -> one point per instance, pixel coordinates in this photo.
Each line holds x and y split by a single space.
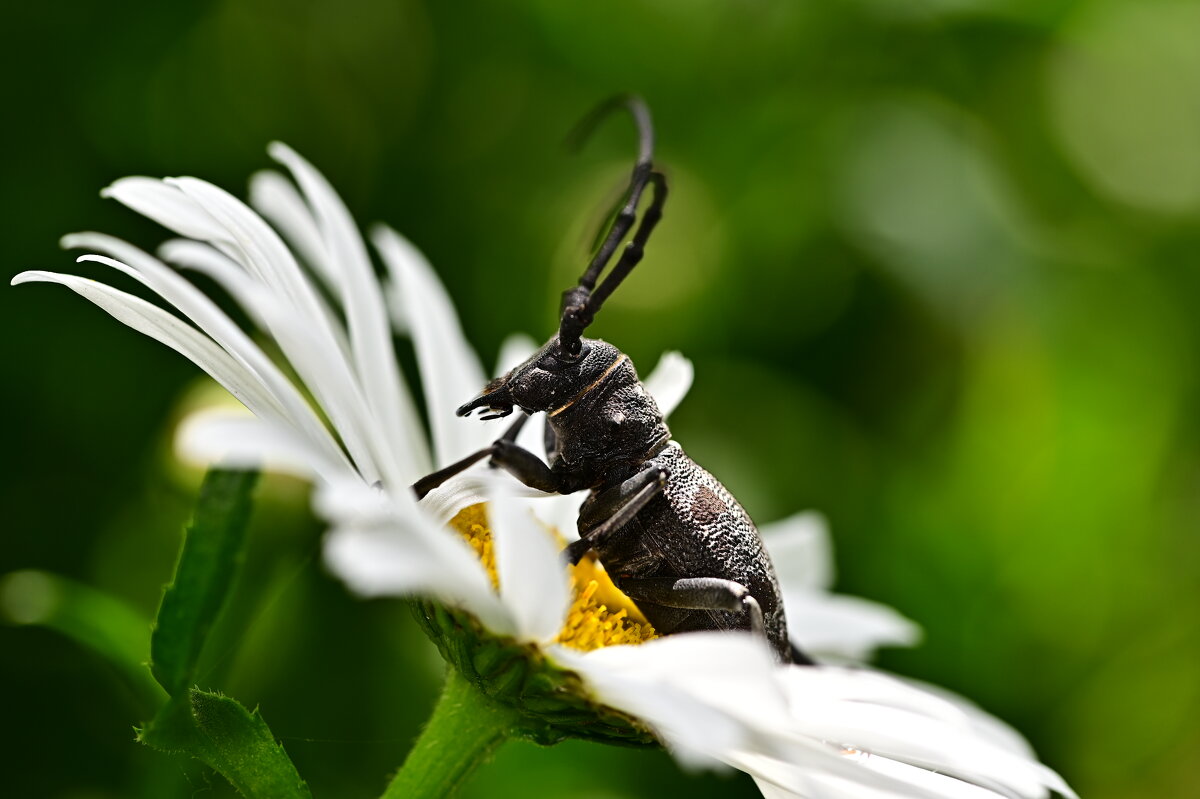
550 362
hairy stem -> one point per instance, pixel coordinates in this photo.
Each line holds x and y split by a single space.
465 729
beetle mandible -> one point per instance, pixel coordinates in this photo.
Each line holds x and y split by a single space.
667 532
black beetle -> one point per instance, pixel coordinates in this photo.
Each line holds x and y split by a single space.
667 532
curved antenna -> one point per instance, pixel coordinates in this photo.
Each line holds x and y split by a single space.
580 304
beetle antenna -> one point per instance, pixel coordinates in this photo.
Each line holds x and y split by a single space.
580 304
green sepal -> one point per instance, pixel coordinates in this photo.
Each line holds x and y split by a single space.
551 703
212 551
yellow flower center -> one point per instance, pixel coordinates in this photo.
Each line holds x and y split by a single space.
600 615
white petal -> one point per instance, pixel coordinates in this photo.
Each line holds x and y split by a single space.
218 436
156 323
533 576
873 778
462 491
915 778
822 771
233 277
471 488
887 718
382 545
213 321
844 627
980 721
703 694
561 512
800 551
166 205
450 370
370 332
315 351
276 198
670 381
868 713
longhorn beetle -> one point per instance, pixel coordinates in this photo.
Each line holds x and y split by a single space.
667 532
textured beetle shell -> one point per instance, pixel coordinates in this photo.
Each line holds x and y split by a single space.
607 432
695 528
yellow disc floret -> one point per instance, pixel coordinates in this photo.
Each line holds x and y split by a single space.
600 615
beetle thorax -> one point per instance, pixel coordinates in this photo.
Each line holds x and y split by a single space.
612 424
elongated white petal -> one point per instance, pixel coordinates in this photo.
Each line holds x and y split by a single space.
366 317
874 778
248 292
472 488
532 572
561 512
800 551
444 502
383 545
860 718
277 199
820 770
846 628
218 436
931 745
914 778
213 321
891 719
156 323
231 276
451 371
704 694
830 626
669 382
314 351
166 205
981 722
238 232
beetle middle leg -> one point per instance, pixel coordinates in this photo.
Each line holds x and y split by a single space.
697 593
616 506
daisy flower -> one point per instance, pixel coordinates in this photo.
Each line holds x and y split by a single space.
544 650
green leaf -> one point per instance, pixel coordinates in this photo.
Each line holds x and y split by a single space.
240 746
95 619
212 552
220 732
214 729
173 729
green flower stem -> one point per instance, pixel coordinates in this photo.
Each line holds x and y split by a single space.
465 729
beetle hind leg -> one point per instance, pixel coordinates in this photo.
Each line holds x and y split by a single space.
698 593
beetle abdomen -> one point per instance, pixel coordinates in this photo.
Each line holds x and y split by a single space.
695 528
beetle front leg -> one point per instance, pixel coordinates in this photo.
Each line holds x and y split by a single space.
697 593
525 466
521 463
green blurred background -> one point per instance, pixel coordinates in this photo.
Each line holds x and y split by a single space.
935 261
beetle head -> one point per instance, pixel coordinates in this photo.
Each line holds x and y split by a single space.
545 382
